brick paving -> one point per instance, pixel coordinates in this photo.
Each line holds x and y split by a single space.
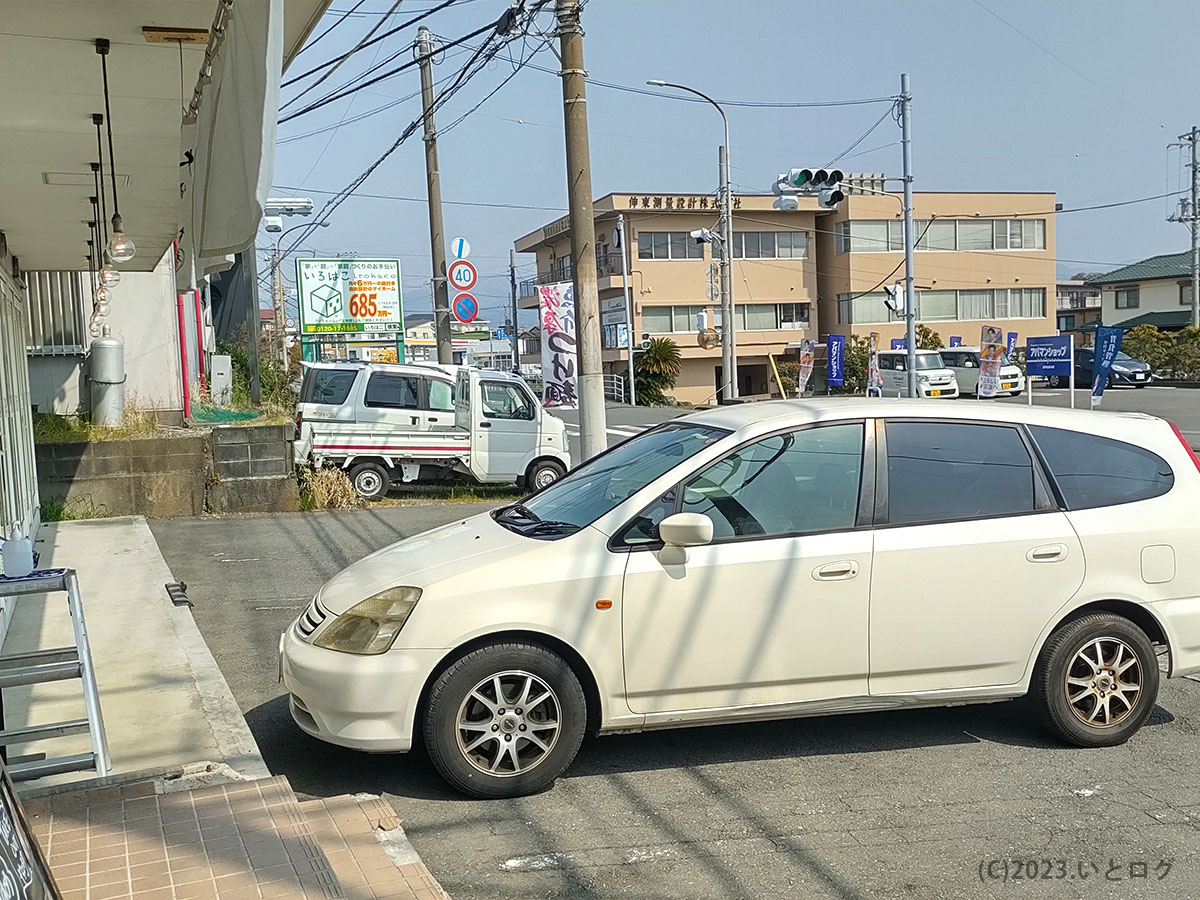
246 839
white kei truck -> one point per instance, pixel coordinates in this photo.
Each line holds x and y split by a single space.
381 424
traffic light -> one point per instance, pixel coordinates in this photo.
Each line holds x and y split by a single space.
824 183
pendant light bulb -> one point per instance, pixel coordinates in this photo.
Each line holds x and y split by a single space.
103 296
120 247
103 308
110 275
94 328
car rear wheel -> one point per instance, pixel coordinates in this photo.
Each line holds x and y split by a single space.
505 720
1096 681
371 480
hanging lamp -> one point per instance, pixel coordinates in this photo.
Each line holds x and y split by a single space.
120 247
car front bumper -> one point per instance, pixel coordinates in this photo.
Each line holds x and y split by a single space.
938 391
1130 377
362 702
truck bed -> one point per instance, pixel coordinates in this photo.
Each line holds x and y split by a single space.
332 441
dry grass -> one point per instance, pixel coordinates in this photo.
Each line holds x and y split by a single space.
51 428
327 488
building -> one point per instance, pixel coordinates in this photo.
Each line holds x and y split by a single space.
982 258
1155 291
1077 307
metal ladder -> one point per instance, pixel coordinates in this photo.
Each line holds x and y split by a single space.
57 664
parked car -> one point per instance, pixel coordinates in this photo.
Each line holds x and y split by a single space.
1125 370
964 363
934 379
385 429
773 560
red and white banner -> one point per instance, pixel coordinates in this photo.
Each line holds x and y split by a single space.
556 302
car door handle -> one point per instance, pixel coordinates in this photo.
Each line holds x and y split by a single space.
415 420
485 424
1047 553
836 571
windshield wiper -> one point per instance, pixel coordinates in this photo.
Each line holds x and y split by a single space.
550 527
522 511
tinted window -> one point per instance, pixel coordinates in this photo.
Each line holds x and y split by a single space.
1095 471
504 401
441 396
795 483
391 391
644 528
939 471
327 385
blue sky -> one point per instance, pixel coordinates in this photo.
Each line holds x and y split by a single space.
1083 102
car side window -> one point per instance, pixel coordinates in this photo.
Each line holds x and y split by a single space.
885 363
441 395
951 360
1093 471
943 471
504 401
644 527
391 391
799 482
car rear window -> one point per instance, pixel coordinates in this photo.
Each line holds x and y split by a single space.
330 386
1093 471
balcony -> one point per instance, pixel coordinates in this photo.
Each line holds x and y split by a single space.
607 265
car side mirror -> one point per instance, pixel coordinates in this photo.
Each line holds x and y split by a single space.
686 530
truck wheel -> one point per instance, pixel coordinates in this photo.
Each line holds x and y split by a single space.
542 473
371 480
505 720
1096 681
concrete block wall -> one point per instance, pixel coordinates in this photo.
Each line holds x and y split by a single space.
252 451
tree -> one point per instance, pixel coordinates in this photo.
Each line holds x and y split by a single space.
928 339
655 370
1149 345
1085 276
1184 357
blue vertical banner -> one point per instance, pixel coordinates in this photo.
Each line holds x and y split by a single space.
955 340
1011 346
899 343
1108 342
837 360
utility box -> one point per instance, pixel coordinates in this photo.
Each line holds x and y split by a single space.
222 380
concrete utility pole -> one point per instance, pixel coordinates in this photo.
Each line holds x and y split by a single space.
592 427
627 280
910 300
441 297
253 321
1189 213
516 327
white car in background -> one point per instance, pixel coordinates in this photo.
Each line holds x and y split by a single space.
772 560
934 379
964 363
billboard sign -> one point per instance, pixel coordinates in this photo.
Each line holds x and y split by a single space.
556 305
349 296
1047 356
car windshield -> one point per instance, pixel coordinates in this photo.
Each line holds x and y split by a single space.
930 361
324 385
598 486
1125 357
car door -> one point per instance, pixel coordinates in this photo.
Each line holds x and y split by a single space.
392 400
893 379
972 556
774 609
966 372
1083 367
507 429
437 401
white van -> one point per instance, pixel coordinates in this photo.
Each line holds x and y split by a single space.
964 363
933 378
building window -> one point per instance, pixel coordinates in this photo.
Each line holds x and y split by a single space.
793 315
1127 298
1185 293
946 306
770 245
937 306
1066 323
970 235
668 245
657 319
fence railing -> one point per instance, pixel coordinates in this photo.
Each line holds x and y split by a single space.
614 388
56 315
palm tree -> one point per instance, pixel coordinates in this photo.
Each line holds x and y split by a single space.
656 369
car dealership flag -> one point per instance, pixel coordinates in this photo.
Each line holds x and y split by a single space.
874 376
991 355
837 360
807 356
1108 343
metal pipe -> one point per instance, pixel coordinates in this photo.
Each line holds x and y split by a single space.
183 355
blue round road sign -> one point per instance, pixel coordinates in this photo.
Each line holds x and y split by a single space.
465 307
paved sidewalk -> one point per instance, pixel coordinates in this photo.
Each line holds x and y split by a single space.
164 701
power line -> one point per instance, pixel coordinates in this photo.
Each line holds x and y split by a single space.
342 18
284 187
866 134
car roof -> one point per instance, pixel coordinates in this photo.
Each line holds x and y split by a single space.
919 350
399 368
772 415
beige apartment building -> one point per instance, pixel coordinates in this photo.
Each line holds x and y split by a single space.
806 273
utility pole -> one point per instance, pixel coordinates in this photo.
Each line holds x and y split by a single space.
1189 213
593 431
253 323
627 280
277 298
441 297
516 328
729 388
910 300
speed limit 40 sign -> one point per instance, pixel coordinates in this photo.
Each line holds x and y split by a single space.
462 274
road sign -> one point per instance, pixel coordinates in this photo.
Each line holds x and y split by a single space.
461 247
462 274
289 323
465 307
342 296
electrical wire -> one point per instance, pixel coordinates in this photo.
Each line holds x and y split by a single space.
345 14
866 134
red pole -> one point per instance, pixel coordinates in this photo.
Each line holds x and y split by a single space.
183 367
199 339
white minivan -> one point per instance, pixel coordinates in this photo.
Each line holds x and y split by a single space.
933 378
779 559
964 363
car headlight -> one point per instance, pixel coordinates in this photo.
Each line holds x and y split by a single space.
923 379
370 627
1119 369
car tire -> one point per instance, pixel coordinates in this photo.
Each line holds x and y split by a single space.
508 749
1055 381
371 480
1071 693
543 473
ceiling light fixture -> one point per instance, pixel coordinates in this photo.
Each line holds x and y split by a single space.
120 247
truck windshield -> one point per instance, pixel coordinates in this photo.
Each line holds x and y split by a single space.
330 386
598 486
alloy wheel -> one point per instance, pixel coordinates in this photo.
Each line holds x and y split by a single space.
508 723
1103 682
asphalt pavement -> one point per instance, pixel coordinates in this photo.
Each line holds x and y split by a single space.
963 802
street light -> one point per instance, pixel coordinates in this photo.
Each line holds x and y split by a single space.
277 294
729 388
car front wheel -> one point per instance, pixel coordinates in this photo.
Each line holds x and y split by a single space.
1096 681
1057 381
505 720
542 473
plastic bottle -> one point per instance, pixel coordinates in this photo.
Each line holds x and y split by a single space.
17 554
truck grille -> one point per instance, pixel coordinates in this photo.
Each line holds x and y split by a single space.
310 620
